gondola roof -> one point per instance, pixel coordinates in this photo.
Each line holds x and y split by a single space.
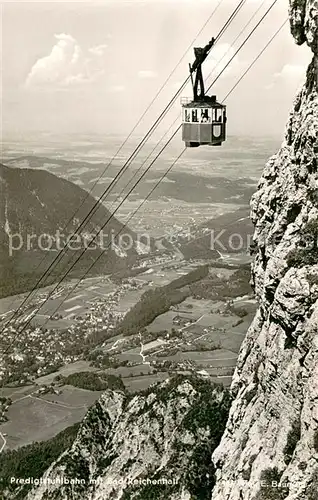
207 102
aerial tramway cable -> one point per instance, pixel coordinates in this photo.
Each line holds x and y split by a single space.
177 118
255 60
153 161
131 216
125 166
95 207
133 187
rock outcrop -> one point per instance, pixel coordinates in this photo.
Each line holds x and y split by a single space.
154 445
270 446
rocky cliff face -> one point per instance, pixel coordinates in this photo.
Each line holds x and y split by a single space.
155 445
270 447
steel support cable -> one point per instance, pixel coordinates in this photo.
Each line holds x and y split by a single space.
133 187
58 257
255 60
183 151
137 123
243 75
178 117
244 42
95 207
154 160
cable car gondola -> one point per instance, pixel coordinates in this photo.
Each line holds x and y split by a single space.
203 118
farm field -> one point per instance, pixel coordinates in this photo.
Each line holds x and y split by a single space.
127 371
208 342
213 339
38 418
219 357
204 313
135 384
132 355
162 322
18 392
128 300
78 366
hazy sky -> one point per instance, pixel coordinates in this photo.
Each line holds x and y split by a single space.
94 67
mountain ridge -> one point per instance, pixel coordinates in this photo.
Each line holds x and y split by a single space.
39 213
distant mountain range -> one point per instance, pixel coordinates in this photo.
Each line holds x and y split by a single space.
191 187
37 207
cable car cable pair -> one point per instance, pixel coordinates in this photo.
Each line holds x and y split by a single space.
137 182
203 118
160 152
123 169
171 166
57 259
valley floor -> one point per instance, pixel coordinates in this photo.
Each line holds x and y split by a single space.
196 336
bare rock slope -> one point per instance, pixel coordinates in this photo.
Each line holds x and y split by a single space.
154 445
270 446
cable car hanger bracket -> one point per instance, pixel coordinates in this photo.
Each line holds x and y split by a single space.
200 56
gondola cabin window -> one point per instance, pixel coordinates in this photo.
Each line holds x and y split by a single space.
218 115
206 115
186 115
194 115
218 120
197 115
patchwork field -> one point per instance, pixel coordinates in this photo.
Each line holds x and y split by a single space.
37 418
135 384
205 338
79 302
78 366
